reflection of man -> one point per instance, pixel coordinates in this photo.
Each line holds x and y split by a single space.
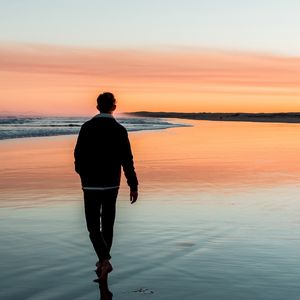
102 148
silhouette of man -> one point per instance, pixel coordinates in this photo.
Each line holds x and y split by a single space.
102 148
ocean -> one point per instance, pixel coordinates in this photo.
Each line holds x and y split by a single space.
12 127
218 215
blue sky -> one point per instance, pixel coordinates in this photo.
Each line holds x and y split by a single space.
258 25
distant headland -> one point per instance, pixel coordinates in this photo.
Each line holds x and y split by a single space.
290 117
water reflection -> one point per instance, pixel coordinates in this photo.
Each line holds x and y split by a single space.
205 158
105 293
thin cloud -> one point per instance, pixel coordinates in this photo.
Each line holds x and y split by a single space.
178 66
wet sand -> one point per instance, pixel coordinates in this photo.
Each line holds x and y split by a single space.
218 217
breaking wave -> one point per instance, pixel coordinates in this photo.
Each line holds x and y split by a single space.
12 127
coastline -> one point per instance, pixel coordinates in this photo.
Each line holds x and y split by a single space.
293 117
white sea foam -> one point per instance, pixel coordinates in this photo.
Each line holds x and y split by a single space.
19 127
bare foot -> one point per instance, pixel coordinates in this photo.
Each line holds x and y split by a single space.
106 268
98 264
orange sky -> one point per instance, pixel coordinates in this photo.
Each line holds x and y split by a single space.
63 80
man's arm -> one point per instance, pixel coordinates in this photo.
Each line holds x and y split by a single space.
79 149
128 168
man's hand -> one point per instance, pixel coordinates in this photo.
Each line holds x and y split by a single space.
133 196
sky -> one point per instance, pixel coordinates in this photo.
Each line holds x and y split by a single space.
194 55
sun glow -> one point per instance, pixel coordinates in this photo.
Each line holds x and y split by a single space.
63 80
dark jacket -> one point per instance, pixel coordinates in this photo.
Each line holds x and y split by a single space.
102 148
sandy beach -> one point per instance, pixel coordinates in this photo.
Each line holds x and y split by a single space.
218 217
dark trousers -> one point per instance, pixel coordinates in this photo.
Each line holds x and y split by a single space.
100 212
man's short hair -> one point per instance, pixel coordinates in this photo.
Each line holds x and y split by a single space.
105 102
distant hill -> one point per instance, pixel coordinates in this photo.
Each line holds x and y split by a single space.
291 117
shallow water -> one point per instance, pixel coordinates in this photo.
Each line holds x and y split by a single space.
218 217
13 127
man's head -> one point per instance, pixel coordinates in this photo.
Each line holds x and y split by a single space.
106 103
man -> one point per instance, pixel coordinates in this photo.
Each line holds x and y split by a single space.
102 148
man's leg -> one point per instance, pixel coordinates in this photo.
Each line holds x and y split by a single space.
108 215
92 205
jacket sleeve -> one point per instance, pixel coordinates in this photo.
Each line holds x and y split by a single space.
78 151
127 163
